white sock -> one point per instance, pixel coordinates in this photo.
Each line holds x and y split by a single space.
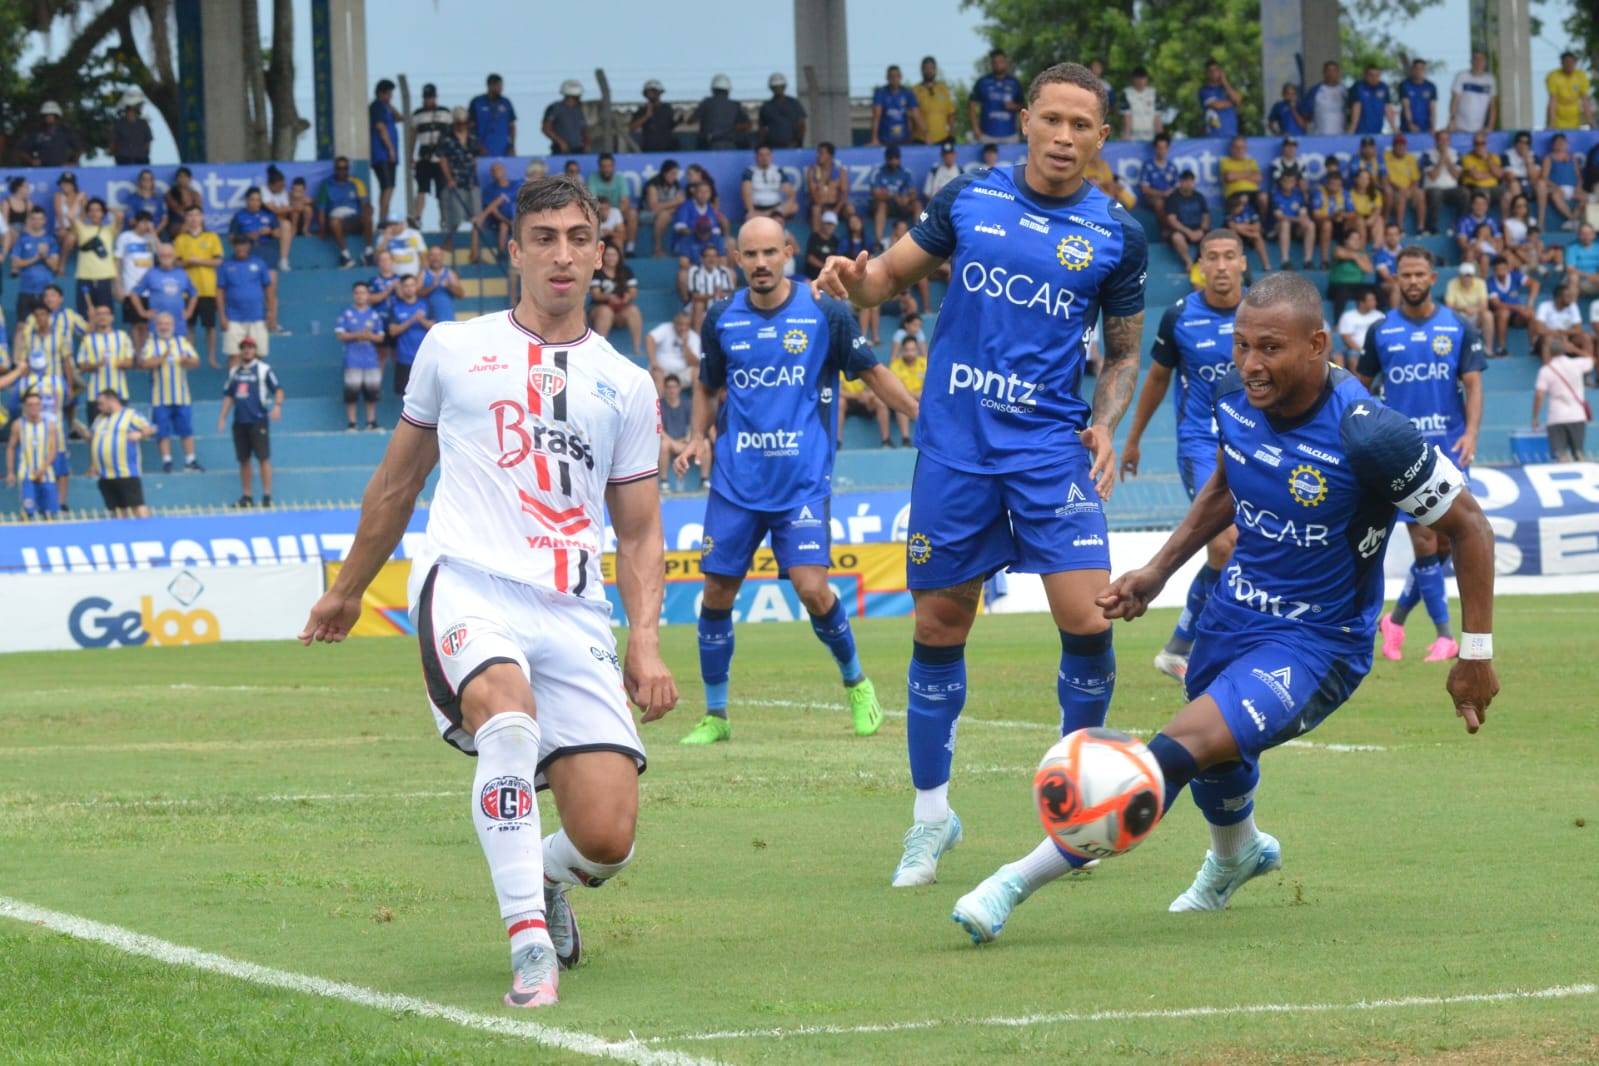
1226 841
932 804
564 864
505 811
1040 866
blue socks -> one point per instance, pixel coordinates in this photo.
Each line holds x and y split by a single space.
1176 766
833 630
716 657
1225 794
1199 590
1430 578
1408 598
1086 680
937 692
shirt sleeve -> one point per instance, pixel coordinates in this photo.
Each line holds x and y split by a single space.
934 232
1473 358
713 361
1122 293
1164 350
638 446
1391 460
272 380
849 352
423 397
1370 365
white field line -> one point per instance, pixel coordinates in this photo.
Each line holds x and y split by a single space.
212 745
212 801
126 940
1079 1017
1007 723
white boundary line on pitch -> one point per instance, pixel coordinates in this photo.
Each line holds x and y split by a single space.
1010 723
126 940
1072 1017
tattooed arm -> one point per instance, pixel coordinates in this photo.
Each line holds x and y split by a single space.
1118 378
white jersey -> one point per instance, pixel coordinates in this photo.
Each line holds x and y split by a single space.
530 436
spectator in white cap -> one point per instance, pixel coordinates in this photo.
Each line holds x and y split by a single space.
564 122
131 134
721 118
655 123
782 118
823 243
54 144
1467 295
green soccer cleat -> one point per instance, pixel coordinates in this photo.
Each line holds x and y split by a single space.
708 730
864 708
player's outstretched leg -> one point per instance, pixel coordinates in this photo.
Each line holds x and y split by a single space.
1238 851
1172 660
565 866
1083 686
936 690
506 814
716 661
832 628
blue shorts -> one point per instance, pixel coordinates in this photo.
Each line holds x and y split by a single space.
966 526
1195 468
801 536
1272 687
63 465
172 420
40 497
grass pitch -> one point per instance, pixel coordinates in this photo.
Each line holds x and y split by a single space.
295 809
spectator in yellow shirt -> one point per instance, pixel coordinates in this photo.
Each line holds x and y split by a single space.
856 399
1099 174
1570 95
1240 173
934 101
94 236
1480 168
911 369
199 252
1403 185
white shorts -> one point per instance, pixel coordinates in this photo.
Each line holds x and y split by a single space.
468 620
237 331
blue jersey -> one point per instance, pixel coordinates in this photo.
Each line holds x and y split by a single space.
1384 258
1512 289
360 355
253 387
1286 118
134 202
775 434
1030 274
1373 101
1421 365
409 340
1222 121
1195 341
894 127
167 291
994 119
1288 204
1315 501
243 284
441 305
1160 177
1416 99
1563 171
492 116
254 224
380 114
34 277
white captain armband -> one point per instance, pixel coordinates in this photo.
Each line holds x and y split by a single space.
1476 645
1431 499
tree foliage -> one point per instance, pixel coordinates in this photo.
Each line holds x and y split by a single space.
115 44
1172 39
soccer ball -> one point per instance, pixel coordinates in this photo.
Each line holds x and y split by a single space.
1099 792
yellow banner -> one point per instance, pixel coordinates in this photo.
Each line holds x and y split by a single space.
383 608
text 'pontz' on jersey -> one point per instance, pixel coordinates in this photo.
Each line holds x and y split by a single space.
1029 276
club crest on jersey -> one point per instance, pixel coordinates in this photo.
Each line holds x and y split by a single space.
1074 252
1442 345
919 549
505 799
707 546
546 380
453 640
795 342
1307 485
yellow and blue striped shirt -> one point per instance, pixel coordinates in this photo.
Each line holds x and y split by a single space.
114 352
35 455
66 326
171 379
115 455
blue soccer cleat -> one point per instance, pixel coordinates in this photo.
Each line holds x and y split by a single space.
925 842
1217 880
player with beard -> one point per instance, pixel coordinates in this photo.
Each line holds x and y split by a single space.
1196 343
1013 466
778 350
1428 362
539 429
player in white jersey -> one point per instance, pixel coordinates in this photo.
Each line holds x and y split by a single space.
535 439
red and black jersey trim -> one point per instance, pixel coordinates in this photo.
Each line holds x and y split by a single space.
418 423
628 479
